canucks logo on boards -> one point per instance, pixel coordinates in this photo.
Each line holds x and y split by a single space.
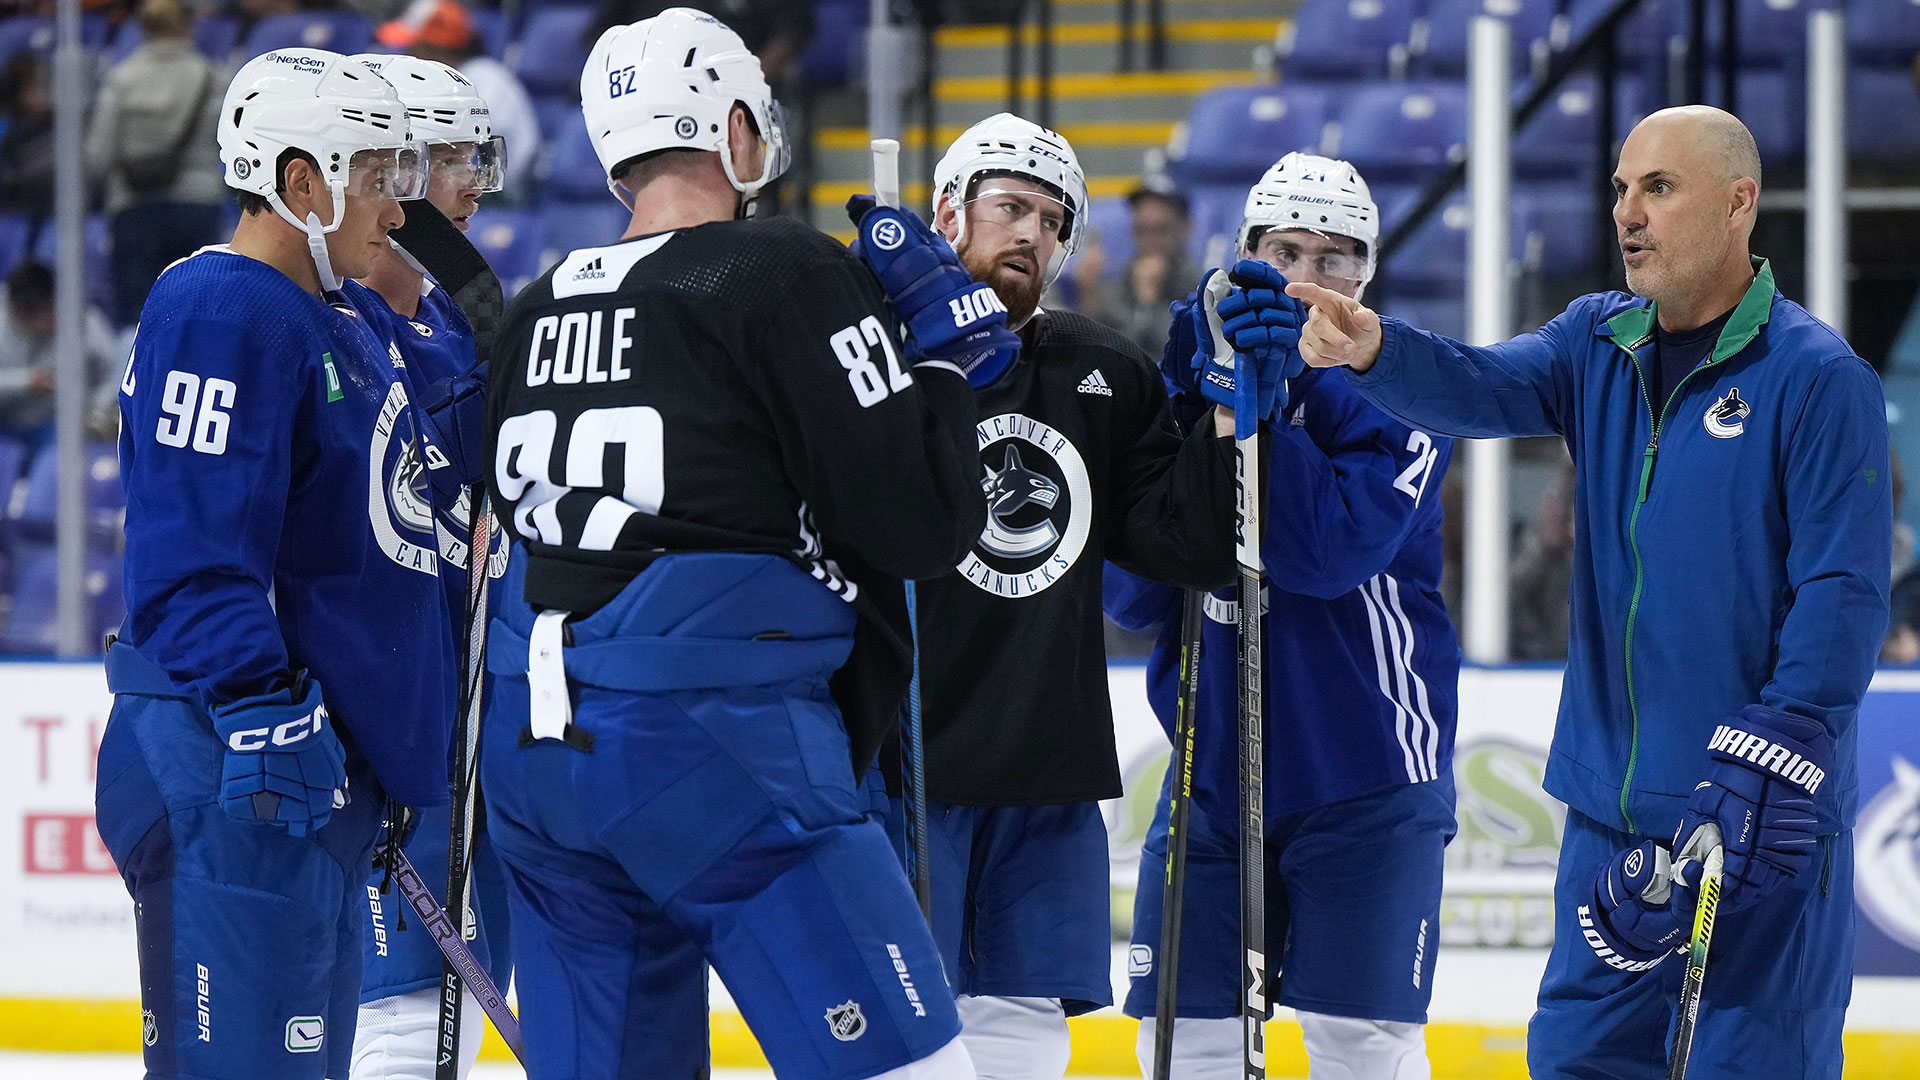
1887 860
1039 507
1726 418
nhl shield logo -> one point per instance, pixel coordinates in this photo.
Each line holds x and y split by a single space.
847 1022
1726 418
149 1029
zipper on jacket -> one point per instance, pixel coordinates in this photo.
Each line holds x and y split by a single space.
1647 457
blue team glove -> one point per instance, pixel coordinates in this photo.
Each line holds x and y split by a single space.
1763 769
1631 923
284 765
1219 368
453 418
1176 362
949 316
1263 322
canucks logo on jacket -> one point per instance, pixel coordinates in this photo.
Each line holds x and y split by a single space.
1039 507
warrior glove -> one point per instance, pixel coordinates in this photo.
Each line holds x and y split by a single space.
1763 769
949 316
1631 923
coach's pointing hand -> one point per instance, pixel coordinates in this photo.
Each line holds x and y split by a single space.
1339 329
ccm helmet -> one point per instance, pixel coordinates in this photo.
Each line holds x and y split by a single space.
670 83
444 109
1307 191
1006 145
330 107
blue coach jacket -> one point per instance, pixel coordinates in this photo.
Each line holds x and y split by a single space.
1732 544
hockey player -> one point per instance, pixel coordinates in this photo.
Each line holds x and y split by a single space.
709 445
1084 465
1733 525
287 664
396 1038
1361 665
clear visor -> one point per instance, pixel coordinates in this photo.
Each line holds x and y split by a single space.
468 166
1017 209
389 173
1304 251
779 148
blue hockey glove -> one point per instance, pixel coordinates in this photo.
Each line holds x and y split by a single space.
949 316
284 766
1763 769
1219 369
1631 923
1262 321
1176 362
453 416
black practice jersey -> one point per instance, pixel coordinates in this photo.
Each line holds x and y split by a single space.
738 387
1083 464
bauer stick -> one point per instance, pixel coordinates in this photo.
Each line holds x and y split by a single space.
1173 902
1695 981
445 252
913 774
1253 841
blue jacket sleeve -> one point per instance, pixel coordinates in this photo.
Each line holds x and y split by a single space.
1518 387
206 428
1344 491
1136 604
1840 529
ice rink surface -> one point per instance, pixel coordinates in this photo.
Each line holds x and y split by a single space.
16 1066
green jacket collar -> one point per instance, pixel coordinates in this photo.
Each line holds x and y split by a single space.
1632 328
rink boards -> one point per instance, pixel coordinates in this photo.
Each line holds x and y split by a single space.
67 975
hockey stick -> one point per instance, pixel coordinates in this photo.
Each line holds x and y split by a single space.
1253 882
1703 917
454 949
913 775
1173 905
444 251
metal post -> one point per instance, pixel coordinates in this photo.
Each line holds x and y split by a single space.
1608 71
1827 167
69 300
1729 56
1127 29
1489 319
1014 65
1043 65
1696 51
1157 35
885 67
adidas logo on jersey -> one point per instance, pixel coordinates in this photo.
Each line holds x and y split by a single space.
592 271
1095 383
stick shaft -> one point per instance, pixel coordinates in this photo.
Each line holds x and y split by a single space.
886 171
454 948
1253 881
1695 981
466 766
1173 904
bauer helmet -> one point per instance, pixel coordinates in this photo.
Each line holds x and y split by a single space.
670 83
444 109
1324 195
1006 145
331 108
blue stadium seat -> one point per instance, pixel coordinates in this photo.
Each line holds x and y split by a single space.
1555 228
339 31
1434 258
1444 315
14 230
553 50
567 226
106 503
33 625
1448 25
216 35
1403 130
1112 220
1217 209
1883 116
513 243
573 170
1774 105
493 28
1774 34
1560 139
1234 134
1346 39
839 28
38 33
99 256
1641 41
1883 32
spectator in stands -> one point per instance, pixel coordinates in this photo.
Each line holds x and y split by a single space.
776 31
1159 273
26 150
1540 585
441 30
152 142
26 353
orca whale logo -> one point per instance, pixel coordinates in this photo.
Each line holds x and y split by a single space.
1726 418
1009 489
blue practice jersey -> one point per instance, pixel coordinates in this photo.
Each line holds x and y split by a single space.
1362 664
277 517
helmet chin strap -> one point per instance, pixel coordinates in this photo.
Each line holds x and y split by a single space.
316 233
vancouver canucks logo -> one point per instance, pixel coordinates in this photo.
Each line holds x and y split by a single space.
846 1021
1039 507
1726 417
399 504
1887 856
1011 489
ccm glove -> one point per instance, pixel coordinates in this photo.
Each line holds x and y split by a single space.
1176 361
1763 769
284 766
1263 322
1220 370
1630 923
949 316
453 418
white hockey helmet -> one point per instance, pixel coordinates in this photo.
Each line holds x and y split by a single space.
1007 145
670 83
330 107
1307 191
444 109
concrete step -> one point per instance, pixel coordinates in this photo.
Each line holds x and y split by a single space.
1066 12
830 198
1114 146
1084 98
1095 46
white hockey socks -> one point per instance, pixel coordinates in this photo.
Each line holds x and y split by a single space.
950 1062
1348 1048
1015 1038
1203 1049
394 1038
